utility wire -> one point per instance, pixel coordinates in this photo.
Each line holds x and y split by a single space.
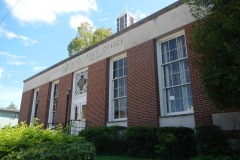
9 12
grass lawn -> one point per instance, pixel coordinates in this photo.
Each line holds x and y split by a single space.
102 157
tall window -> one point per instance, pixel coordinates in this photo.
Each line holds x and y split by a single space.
53 106
118 25
35 105
175 75
125 21
119 89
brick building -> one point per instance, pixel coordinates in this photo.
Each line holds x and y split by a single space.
140 76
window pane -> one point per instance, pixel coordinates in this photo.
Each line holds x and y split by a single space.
184 52
115 74
120 72
121 91
125 71
121 82
190 102
120 63
179 105
115 83
189 92
173 55
125 90
175 67
116 104
115 65
163 58
187 77
185 65
115 93
122 113
116 113
83 111
172 107
172 44
125 61
164 51
181 41
53 118
176 79
178 92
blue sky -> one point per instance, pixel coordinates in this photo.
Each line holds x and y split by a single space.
36 33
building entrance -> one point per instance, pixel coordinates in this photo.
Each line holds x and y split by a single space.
79 98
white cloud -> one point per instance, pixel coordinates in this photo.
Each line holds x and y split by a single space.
10 94
76 20
1 72
12 59
140 15
15 62
47 10
9 55
38 68
11 35
103 19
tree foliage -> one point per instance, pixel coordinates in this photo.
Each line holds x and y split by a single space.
216 38
86 37
12 106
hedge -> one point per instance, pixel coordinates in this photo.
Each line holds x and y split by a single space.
147 142
211 140
141 141
176 143
107 140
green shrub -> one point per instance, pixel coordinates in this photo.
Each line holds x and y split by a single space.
33 142
211 140
141 141
107 140
176 143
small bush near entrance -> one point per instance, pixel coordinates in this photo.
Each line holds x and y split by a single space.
211 140
32 142
107 140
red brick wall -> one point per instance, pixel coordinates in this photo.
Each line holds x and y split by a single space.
65 82
26 106
44 103
203 108
97 95
143 97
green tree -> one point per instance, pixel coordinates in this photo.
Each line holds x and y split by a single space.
216 38
12 106
86 37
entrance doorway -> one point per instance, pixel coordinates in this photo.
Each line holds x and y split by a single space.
79 120
79 98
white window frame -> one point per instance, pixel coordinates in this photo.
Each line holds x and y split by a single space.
35 102
51 105
162 92
111 90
